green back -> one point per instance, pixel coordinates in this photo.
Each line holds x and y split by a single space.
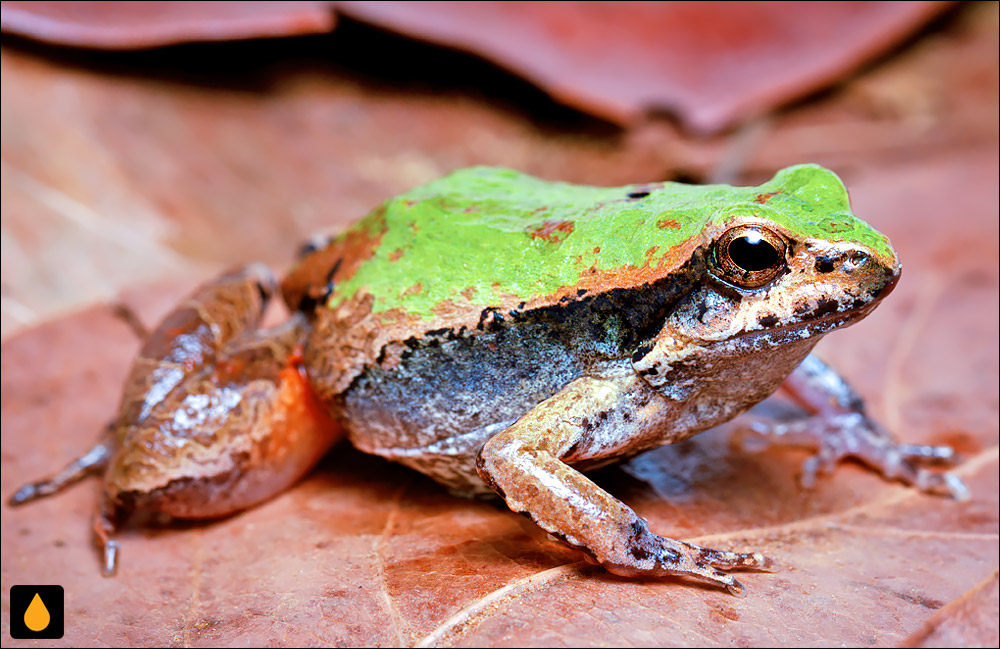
482 236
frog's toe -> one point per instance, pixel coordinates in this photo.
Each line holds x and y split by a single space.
736 588
110 566
715 576
735 560
822 463
947 484
707 564
925 453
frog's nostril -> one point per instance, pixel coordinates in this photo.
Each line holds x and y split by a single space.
825 264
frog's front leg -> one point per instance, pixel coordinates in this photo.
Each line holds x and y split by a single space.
529 466
838 426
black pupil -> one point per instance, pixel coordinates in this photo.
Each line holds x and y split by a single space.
752 256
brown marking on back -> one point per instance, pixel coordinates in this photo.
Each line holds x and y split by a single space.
550 231
413 290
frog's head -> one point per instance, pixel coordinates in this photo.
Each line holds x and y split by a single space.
790 264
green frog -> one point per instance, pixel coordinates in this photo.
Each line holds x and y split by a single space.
503 334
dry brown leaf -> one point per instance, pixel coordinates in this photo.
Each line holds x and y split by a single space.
126 25
365 552
712 63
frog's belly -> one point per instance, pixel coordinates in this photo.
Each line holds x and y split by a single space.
435 409
450 461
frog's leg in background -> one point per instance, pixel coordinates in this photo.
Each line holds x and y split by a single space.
215 416
528 465
127 314
93 461
839 427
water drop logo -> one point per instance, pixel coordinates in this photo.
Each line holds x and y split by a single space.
36 612
37 616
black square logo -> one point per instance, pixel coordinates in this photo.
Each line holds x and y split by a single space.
36 612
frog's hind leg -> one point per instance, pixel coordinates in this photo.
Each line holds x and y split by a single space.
249 426
105 516
839 428
93 461
529 466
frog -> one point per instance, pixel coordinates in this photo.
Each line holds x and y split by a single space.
505 335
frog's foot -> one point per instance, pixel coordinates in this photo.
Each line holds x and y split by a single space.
105 524
94 460
529 466
839 428
854 435
656 555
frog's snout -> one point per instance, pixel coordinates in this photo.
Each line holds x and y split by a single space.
880 277
890 284
860 266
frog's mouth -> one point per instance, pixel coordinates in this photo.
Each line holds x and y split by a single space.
824 317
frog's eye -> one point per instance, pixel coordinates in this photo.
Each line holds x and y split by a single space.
749 256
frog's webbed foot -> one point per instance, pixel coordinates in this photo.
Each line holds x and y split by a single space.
528 465
842 430
854 435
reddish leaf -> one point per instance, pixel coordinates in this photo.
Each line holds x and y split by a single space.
967 622
127 25
713 64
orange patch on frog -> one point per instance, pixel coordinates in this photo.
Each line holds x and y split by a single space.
396 254
336 263
301 428
668 224
554 231
763 198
